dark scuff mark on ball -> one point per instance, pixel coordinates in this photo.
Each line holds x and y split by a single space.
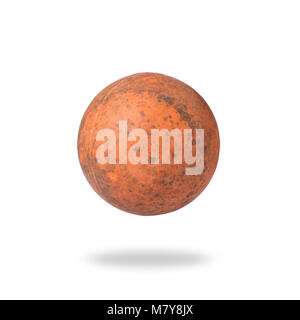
167 99
184 116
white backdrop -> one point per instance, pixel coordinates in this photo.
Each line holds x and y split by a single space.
239 239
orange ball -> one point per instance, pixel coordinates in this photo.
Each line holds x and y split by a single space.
148 144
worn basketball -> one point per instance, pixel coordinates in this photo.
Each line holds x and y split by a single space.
148 144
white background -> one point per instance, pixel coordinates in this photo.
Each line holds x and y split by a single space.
239 239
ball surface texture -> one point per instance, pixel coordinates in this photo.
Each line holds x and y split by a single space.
128 150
